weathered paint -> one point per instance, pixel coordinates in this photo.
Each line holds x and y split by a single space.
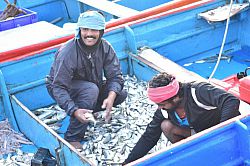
163 10
42 136
5 102
170 36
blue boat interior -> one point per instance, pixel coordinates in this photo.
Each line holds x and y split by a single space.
60 12
194 43
235 62
183 37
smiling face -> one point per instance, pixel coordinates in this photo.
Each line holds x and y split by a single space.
90 36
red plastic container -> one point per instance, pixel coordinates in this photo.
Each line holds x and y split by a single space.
244 89
20 20
238 87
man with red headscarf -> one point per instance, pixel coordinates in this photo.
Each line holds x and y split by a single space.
183 107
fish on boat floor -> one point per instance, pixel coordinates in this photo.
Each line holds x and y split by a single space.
10 144
110 143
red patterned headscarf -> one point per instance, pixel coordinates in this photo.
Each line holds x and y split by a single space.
163 93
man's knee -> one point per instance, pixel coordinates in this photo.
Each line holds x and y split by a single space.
167 127
84 94
91 89
121 97
174 133
84 88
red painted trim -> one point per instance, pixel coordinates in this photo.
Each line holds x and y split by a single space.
169 12
30 54
153 13
24 51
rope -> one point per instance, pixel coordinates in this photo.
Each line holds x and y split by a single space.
223 42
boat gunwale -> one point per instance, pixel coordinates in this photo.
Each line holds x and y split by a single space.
29 50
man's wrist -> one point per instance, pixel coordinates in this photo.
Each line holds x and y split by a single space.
112 95
75 112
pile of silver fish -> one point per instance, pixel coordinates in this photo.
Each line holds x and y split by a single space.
111 143
10 142
52 116
20 159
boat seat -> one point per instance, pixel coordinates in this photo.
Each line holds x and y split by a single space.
221 13
110 7
163 64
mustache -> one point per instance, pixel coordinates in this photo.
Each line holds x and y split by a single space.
89 37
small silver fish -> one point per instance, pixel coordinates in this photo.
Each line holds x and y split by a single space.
112 142
90 117
211 59
10 142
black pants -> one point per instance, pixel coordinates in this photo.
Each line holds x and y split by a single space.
87 95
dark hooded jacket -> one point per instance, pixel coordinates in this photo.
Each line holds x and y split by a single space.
214 106
74 62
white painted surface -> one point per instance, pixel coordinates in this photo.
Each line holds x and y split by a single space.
30 34
221 13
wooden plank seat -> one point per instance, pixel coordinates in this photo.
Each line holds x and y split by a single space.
163 64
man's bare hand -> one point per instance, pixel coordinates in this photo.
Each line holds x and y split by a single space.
83 115
108 104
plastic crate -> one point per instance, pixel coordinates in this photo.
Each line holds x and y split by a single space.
19 20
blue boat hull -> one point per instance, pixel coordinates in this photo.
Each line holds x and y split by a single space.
178 36
226 144
60 12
